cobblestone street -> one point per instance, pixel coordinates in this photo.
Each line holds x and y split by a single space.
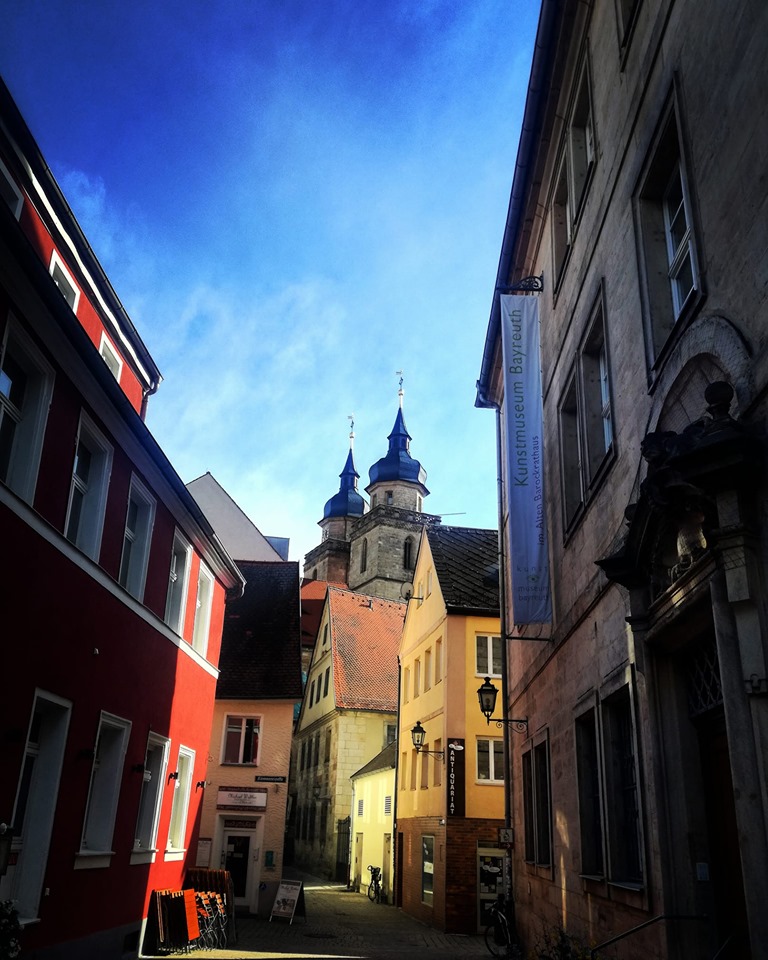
342 924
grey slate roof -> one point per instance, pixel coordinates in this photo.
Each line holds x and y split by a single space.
382 761
261 643
467 566
241 537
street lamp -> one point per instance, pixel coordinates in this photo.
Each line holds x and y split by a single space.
486 694
417 736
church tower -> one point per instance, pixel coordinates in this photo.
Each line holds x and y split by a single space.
384 543
330 560
373 550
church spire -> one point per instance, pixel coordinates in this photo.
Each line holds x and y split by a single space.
398 464
347 502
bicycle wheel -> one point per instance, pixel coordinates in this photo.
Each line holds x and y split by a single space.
495 940
372 892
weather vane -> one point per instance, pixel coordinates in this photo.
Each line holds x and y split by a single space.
399 373
351 418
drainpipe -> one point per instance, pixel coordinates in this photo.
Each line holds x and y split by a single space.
396 865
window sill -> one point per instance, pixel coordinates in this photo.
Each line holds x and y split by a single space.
25 922
93 860
627 885
489 783
143 856
173 856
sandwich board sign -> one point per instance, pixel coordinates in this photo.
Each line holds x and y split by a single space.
290 896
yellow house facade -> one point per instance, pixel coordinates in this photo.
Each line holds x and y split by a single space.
349 713
373 793
450 793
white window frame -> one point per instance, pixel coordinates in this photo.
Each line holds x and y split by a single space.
487 670
494 775
206 585
39 797
585 416
178 584
16 199
93 493
151 800
137 541
244 718
110 356
63 279
665 304
573 172
31 418
104 789
182 790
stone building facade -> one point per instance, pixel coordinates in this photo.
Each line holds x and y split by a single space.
638 198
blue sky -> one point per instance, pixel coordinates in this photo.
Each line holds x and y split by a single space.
294 199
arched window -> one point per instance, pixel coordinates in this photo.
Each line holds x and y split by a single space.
364 556
408 553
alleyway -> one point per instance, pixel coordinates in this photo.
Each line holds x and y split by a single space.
341 924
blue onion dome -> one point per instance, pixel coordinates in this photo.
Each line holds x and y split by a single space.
347 502
398 464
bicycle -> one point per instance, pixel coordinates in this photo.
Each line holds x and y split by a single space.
498 936
374 887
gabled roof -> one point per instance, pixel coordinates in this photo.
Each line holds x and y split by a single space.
365 638
467 567
312 603
260 647
385 760
241 537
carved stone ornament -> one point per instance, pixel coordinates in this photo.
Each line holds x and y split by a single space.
669 526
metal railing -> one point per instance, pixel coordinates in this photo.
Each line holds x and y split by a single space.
642 926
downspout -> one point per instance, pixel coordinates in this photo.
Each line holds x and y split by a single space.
396 866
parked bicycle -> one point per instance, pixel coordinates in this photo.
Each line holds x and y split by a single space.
498 936
374 887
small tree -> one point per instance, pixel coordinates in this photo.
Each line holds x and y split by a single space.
556 944
10 931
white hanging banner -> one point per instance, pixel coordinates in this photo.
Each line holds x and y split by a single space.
528 547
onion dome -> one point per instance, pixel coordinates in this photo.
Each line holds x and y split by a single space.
398 464
347 502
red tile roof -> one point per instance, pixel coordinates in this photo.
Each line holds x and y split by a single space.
365 637
312 603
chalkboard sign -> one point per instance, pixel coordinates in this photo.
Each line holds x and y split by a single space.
289 901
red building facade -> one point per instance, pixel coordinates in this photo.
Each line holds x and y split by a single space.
113 588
